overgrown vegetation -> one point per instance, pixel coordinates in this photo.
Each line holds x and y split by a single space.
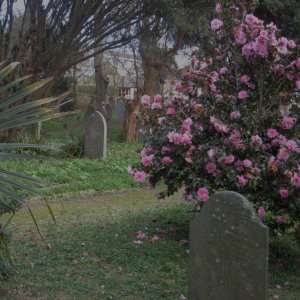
72 175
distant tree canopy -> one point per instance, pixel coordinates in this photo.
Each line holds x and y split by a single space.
284 13
50 37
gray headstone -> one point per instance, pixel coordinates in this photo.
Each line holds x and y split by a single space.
95 135
228 251
120 112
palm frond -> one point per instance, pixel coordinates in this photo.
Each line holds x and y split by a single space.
15 111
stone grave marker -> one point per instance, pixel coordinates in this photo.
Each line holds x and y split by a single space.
95 135
120 111
228 251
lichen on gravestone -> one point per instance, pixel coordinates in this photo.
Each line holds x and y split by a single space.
228 251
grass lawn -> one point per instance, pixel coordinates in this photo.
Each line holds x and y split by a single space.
80 174
90 254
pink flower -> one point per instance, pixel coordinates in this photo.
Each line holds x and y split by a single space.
138 242
210 168
156 105
239 166
229 160
240 37
235 114
282 155
174 137
251 20
211 153
256 139
148 160
157 98
203 194
260 47
223 70
160 120
214 76
194 49
171 111
241 180
243 95
146 100
143 152
189 197
282 44
130 171
213 87
281 219
183 243
186 124
186 139
261 212
165 149
219 8
247 49
284 193
140 235
292 145
291 44
216 24
245 79
155 238
167 160
297 84
272 133
288 123
295 180
140 176
247 163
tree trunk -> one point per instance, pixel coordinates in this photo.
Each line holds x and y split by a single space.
75 86
151 87
130 132
101 81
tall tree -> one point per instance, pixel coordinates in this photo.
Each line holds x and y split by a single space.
163 34
50 38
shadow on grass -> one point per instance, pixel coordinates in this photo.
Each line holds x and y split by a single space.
88 257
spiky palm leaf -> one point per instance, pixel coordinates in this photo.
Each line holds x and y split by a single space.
14 113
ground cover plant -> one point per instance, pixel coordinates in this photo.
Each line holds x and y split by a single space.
80 174
233 122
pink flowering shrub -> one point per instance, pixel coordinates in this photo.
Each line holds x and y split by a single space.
231 124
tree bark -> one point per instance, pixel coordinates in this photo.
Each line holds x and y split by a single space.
151 69
130 132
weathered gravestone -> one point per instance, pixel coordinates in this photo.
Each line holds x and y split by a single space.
228 251
120 112
95 135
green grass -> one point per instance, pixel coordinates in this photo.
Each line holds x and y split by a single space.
72 175
90 254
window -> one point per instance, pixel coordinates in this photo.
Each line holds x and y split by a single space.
124 92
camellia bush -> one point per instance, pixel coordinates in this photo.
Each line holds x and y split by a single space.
232 124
